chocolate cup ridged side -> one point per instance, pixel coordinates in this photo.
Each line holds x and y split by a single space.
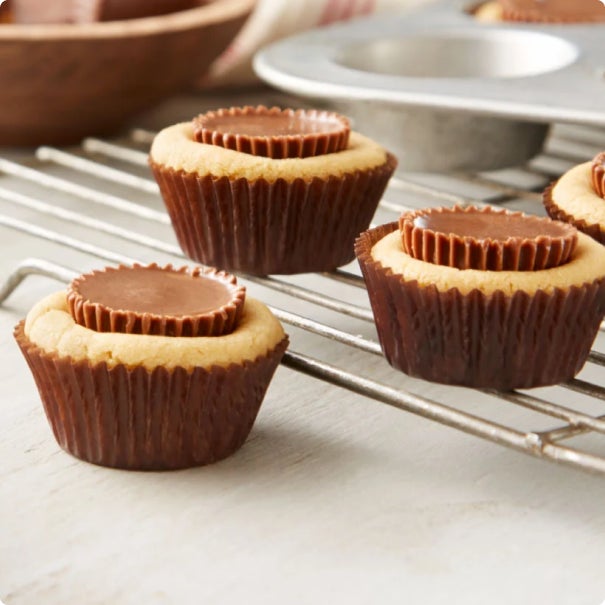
517 16
598 174
520 17
478 340
282 227
278 146
463 252
556 213
100 318
139 419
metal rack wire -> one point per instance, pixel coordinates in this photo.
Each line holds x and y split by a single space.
123 163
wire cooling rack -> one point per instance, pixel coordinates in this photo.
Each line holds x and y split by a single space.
123 187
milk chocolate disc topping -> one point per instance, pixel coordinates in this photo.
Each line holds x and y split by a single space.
486 239
598 174
157 300
274 133
553 11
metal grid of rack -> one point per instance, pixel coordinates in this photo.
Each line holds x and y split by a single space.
119 169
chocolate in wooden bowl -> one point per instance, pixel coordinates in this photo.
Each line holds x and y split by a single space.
59 83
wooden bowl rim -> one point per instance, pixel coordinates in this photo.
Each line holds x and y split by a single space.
192 18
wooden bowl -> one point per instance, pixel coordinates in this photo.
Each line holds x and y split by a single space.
59 83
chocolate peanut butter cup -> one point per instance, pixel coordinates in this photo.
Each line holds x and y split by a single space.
598 174
5 12
157 300
486 239
274 133
553 11
269 215
432 325
149 401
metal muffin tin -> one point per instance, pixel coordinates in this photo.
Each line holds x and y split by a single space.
443 90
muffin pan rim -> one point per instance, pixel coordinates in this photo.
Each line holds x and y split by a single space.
307 64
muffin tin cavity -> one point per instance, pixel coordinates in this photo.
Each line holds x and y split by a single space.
464 54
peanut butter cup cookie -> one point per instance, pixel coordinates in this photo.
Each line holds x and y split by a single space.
149 367
578 198
484 298
268 190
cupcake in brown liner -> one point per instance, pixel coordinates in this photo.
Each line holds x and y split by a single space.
497 329
260 215
149 402
577 198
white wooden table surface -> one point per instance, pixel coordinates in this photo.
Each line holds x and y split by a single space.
334 498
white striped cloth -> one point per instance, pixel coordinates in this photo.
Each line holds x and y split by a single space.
275 19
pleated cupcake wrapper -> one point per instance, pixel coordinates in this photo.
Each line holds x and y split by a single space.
462 252
478 340
149 419
296 145
598 172
100 318
282 227
557 213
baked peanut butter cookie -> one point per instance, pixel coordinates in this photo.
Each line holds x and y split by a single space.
483 297
149 367
268 190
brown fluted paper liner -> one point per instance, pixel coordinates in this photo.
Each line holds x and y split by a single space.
464 252
485 341
100 318
593 230
133 418
282 227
